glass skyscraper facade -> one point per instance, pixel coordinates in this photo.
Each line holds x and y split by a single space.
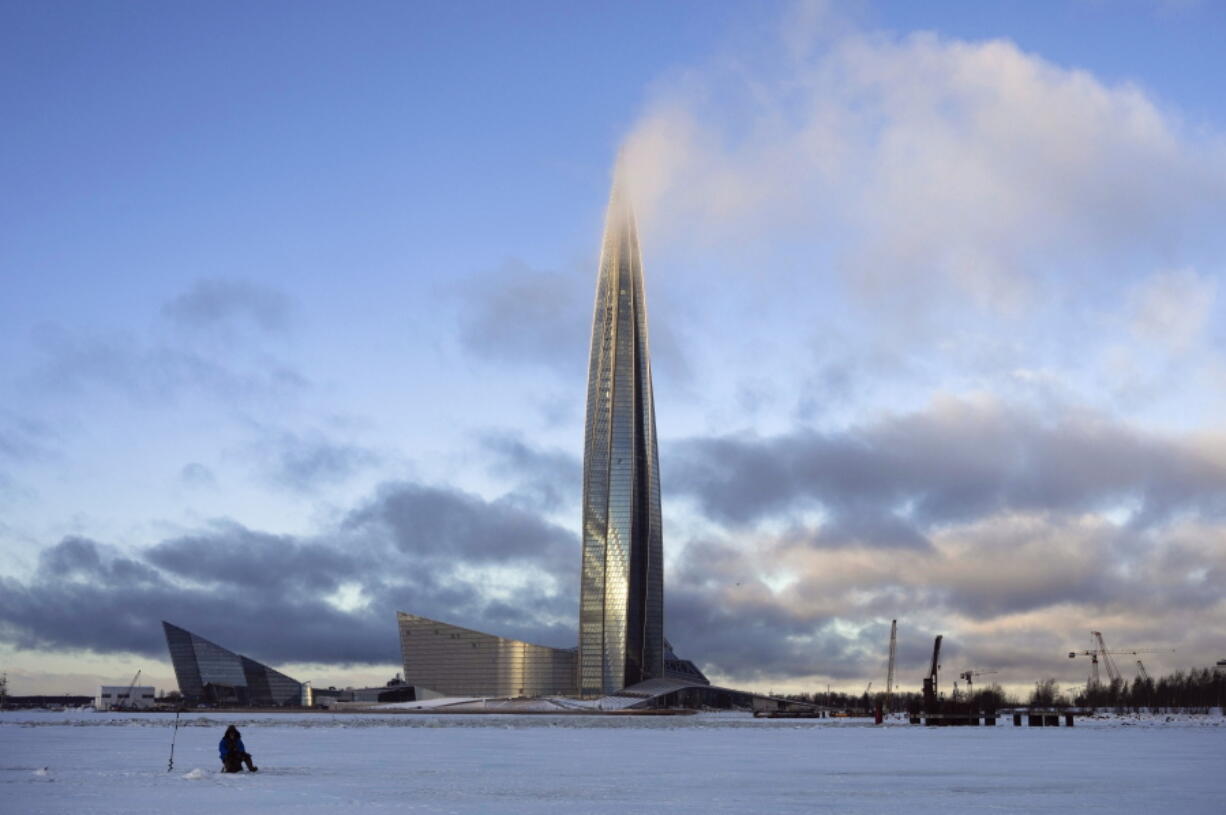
208 673
621 606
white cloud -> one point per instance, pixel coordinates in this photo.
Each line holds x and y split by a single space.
929 163
1173 308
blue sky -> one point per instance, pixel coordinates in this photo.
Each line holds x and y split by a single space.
296 302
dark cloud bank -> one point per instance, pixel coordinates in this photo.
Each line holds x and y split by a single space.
265 595
1030 526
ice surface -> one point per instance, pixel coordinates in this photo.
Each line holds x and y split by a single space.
108 763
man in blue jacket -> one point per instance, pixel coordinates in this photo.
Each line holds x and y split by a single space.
233 753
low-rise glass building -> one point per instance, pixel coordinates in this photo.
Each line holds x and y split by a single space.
455 661
210 674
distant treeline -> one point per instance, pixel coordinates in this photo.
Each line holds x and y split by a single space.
1199 688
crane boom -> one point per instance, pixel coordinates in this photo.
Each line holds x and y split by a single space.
1141 672
128 696
969 676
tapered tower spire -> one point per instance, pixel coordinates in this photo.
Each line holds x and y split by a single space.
621 605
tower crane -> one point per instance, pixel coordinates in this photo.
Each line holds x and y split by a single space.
1100 651
1141 672
969 675
1108 663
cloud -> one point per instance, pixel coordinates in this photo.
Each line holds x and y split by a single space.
209 360
230 555
441 523
547 480
327 598
957 460
1011 592
528 316
773 597
931 166
312 461
1173 308
987 522
24 439
195 474
155 372
214 303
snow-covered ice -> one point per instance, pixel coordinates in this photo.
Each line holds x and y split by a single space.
104 763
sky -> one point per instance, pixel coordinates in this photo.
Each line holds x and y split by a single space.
296 303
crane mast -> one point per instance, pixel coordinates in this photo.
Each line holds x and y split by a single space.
930 681
1113 673
889 674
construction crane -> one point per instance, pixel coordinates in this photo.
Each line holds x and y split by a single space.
930 681
1100 651
1141 672
1112 672
868 688
128 695
889 674
969 675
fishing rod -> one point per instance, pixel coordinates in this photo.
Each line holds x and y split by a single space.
170 767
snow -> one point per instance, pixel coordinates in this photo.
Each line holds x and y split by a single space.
111 763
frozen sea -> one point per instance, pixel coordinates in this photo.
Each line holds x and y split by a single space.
103 763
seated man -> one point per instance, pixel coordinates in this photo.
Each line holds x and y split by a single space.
233 754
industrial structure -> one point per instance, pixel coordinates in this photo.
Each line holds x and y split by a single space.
931 681
969 677
1100 654
125 697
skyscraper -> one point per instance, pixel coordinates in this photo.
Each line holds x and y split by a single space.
621 593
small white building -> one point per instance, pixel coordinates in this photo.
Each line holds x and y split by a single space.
141 697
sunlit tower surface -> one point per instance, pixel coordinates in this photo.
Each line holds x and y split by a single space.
621 600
